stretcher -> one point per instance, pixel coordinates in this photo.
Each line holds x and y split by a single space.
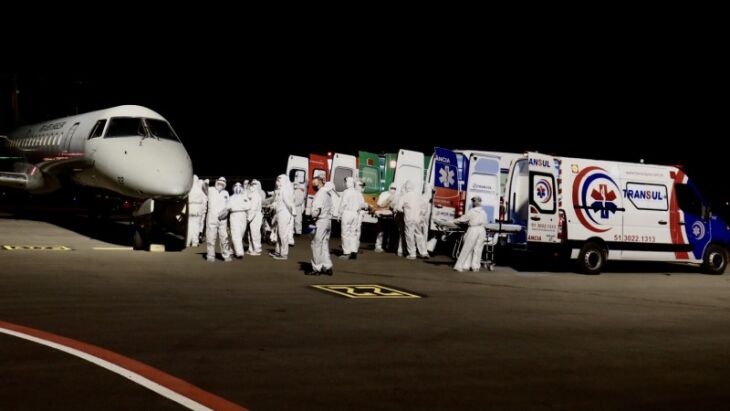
494 232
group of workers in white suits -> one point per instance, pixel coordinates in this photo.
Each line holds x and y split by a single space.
405 212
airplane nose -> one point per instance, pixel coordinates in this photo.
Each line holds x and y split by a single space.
171 176
150 169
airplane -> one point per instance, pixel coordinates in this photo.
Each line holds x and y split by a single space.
128 150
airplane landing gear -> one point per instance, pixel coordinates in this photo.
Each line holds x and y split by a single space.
142 233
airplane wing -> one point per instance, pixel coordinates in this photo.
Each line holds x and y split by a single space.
66 165
13 180
43 177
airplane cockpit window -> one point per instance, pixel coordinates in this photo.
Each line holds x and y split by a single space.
161 129
125 127
98 129
142 127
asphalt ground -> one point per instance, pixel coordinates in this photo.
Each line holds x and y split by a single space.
256 333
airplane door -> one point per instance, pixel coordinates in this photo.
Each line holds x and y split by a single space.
66 147
409 166
317 168
542 226
483 181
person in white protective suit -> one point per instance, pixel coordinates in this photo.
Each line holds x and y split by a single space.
204 184
239 205
284 207
385 216
322 212
197 202
473 242
400 230
217 221
411 205
290 228
299 197
350 205
255 218
426 209
360 187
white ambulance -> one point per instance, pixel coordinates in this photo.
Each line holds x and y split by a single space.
605 210
334 167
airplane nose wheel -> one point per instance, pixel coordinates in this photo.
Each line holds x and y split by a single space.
142 233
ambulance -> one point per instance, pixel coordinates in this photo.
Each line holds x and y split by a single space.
484 174
371 171
333 167
596 211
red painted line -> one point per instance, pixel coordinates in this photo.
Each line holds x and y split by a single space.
675 230
166 380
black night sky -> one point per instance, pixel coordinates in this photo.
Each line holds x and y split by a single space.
657 105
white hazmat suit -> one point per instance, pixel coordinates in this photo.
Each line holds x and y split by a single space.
473 242
299 197
284 206
217 221
255 218
197 202
350 205
239 205
411 203
322 211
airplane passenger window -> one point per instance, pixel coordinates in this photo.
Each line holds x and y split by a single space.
125 127
161 129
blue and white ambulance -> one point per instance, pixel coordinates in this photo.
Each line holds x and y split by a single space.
605 210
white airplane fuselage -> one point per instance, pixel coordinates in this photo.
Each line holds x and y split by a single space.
129 150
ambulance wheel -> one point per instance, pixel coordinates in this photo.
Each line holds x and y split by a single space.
591 259
715 259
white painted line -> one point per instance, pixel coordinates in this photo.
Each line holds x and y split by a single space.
153 379
114 248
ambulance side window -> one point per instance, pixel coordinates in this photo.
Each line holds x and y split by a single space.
296 175
339 176
519 195
688 200
542 195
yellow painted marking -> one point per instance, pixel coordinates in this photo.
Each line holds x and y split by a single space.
365 291
113 248
36 247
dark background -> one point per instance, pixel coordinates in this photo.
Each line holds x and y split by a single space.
663 105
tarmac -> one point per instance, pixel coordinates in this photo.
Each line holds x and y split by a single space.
257 333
